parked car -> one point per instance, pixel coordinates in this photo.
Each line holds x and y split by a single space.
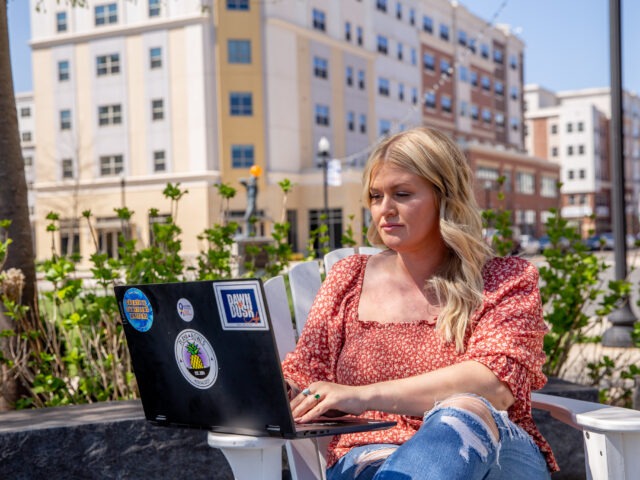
606 241
545 242
529 245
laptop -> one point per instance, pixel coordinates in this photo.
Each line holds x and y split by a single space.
204 355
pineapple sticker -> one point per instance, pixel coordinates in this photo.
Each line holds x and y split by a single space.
196 360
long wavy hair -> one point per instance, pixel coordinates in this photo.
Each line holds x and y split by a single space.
432 155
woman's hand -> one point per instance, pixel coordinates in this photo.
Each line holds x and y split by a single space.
329 400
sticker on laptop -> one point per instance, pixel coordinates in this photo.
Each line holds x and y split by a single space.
240 305
196 359
185 309
137 309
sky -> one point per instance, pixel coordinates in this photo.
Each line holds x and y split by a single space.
567 41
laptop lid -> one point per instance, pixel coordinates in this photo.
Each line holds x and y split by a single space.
205 356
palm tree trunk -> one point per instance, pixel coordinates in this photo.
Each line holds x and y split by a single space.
13 202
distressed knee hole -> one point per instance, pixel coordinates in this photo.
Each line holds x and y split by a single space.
478 408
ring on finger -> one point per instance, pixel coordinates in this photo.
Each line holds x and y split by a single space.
317 397
306 392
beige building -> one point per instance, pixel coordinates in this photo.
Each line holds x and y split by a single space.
132 95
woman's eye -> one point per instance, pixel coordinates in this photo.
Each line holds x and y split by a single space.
402 194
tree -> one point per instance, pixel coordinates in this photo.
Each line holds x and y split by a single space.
13 201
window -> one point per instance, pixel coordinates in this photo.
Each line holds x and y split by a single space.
107 64
363 123
444 32
486 83
69 237
399 11
381 5
241 103
486 115
570 174
475 112
498 88
65 119
157 109
384 127
347 31
111 165
484 50
429 62
359 35
334 223
582 174
109 115
106 14
351 121
498 56
67 168
472 45
26 137
414 95
548 187
445 67
28 161
569 127
581 126
159 161
400 52
514 93
155 57
349 76
464 108
63 70
580 149
320 67
430 100
61 22
412 16
445 103
237 4
401 92
242 156
361 79
427 24
25 112
515 123
554 129
414 56
570 150
462 37
383 87
383 44
322 115
473 78
154 8
554 151
499 117
318 20
513 61
525 183
239 51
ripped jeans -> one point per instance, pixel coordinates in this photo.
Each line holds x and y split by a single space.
453 443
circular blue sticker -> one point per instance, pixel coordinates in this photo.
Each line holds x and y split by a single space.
137 309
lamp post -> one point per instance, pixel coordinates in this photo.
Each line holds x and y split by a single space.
323 153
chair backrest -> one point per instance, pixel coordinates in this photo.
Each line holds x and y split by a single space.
340 253
304 280
278 302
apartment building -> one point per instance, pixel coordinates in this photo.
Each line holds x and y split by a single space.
571 128
132 95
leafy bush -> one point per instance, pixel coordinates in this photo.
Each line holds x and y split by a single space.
75 352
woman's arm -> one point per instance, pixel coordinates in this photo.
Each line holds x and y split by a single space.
408 396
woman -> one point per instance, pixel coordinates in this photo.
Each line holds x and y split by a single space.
433 325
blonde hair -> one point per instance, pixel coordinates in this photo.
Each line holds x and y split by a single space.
433 156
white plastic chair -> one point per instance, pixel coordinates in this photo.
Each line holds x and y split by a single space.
260 458
611 434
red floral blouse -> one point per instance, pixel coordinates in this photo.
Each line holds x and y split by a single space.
506 335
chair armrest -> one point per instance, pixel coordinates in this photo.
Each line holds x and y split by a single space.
590 416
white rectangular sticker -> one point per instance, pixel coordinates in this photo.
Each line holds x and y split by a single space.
240 305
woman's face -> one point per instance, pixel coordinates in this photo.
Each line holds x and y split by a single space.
404 209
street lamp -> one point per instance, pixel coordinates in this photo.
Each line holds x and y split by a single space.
323 153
